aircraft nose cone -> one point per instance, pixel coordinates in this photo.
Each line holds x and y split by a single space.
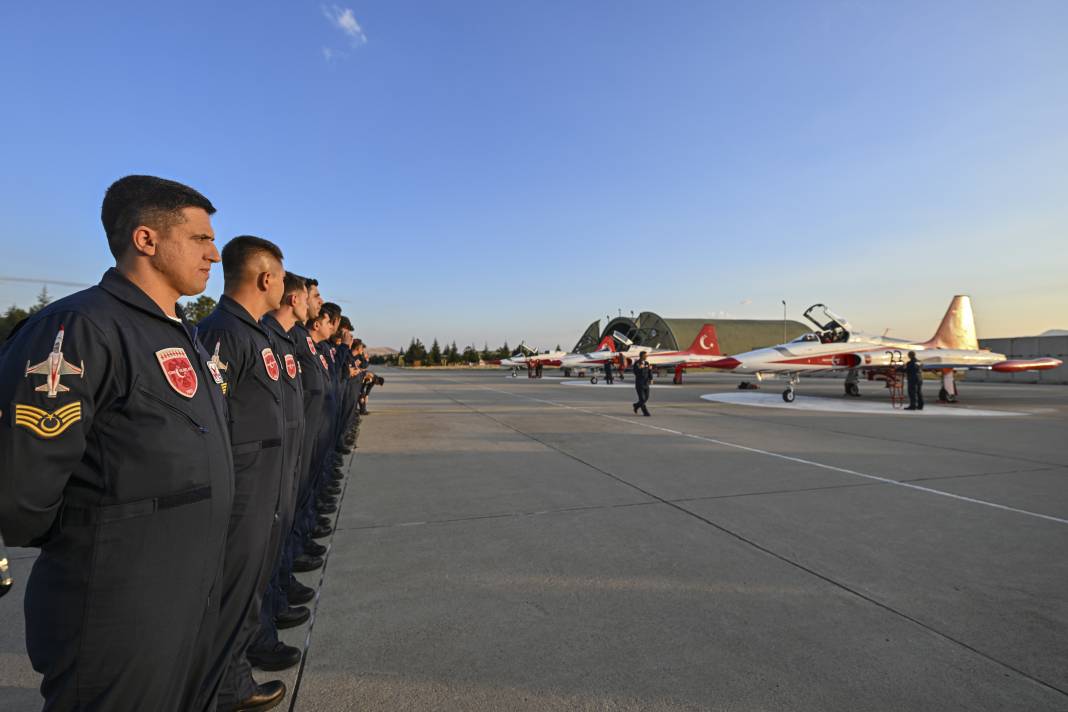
725 363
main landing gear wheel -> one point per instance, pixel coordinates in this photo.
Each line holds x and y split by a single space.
788 395
852 389
593 380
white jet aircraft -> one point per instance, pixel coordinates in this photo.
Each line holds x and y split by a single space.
53 369
704 345
837 347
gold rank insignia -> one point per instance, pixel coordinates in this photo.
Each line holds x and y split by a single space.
48 425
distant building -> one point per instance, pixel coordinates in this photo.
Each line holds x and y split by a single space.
1026 347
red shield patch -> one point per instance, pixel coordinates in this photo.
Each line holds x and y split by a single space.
311 345
322 359
271 363
178 371
291 366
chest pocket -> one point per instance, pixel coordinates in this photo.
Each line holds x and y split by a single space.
254 413
157 444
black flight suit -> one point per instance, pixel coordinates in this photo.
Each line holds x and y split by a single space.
257 430
643 377
914 375
331 412
313 374
293 407
608 378
122 475
350 389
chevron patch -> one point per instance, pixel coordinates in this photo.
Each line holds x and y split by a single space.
48 425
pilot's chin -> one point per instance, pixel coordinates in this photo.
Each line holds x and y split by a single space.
195 287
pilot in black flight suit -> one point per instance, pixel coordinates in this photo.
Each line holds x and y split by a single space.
267 651
643 378
241 347
914 375
116 463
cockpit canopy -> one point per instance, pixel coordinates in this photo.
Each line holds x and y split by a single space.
834 330
805 337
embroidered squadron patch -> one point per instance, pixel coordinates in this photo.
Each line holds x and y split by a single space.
322 359
48 425
271 363
311 344
291 366
178 371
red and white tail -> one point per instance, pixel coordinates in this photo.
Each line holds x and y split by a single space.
957 330
706 343
607 344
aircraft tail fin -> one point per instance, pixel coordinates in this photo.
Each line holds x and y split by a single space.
706 343
957 330
607 344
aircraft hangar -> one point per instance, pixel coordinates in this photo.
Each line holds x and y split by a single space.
651 329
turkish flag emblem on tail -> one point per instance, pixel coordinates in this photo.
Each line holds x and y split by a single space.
706 343
271 363
178 371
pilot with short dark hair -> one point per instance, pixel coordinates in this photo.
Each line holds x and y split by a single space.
914 376
116 463
643 378
253 284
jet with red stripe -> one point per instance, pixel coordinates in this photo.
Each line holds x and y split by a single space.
836 346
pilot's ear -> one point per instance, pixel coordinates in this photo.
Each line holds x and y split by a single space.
145 240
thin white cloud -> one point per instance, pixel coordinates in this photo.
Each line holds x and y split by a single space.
328 54
344 19
746 302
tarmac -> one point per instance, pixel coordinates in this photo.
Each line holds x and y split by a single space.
515 544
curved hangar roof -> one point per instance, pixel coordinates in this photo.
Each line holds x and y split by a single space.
735 335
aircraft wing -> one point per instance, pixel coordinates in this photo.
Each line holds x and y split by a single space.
40 368
69 369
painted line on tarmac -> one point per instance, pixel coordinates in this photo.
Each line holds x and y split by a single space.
791 458
820 404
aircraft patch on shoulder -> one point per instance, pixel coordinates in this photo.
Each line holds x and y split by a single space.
216 366
291 366
48 425
311 344
53 368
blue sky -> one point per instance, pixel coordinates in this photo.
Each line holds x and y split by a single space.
483 171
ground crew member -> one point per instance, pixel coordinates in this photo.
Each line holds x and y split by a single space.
608 378
267 652
914 375
241 348
116 463
643 378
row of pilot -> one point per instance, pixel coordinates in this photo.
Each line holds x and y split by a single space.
174 475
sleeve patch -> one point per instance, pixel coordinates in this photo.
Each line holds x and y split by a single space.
48 425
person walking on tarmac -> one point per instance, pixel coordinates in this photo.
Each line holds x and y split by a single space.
116 463
914 374
253 284
608 377
643 378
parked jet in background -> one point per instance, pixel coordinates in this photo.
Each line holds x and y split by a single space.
837 347
704 345
529 359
